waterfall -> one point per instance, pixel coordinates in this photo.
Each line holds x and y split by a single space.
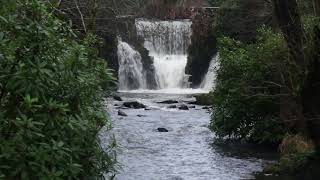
167 42
208 81
131 74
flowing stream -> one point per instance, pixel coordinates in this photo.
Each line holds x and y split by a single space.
187 151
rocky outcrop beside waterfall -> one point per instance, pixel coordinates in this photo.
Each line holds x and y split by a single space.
203 47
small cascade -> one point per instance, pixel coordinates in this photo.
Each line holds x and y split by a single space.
208 82
131 74
167 42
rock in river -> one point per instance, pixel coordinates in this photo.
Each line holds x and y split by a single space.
183 107
168 102
121 113
134 105
140 115
118 98
162 130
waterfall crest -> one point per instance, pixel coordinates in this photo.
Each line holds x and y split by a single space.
208 81
131 74
167 42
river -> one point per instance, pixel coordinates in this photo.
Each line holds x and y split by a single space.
186 152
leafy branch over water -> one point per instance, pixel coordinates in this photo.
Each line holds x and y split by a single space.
52 85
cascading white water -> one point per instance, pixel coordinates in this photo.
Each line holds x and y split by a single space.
167 42
208 81
130 73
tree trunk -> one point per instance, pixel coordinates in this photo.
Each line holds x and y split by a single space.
289 20
316 5
311 93
307 100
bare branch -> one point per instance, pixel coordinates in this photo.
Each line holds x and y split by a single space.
81 16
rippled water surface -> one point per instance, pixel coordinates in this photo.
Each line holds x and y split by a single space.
186 152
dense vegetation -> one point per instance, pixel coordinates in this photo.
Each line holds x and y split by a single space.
52 85
246 97
267 85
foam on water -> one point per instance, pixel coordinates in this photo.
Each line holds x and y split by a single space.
168 91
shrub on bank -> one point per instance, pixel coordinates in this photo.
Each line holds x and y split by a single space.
51 89
247 93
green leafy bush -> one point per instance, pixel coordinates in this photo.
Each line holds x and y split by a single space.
52 86
247 95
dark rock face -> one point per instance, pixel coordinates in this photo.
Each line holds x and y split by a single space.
121 113
118 98
192 107
134 105
183 107
162 130
148 67
203 47
168 102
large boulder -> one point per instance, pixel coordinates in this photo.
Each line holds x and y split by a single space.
134 105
